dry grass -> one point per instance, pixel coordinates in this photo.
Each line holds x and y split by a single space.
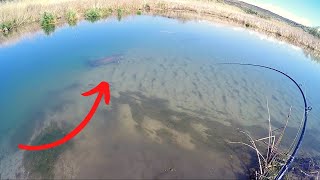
226 13
23 12
271 157
269 154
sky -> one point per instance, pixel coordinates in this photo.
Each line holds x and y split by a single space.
306 12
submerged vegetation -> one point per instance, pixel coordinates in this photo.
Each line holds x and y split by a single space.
40 164
305 167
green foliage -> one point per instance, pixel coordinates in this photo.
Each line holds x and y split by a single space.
7 27
49 29
41 164
48 22
119 14
72 17
139 12
93 15
48 19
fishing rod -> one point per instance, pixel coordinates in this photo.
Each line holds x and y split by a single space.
307 108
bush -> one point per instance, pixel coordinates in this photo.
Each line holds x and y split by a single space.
72 17
48 22
139 12
6 27
93 15
48 19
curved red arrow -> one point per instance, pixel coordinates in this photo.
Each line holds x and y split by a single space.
101 89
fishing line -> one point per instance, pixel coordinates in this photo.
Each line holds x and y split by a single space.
307 108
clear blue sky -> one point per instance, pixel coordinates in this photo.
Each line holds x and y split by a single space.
307 11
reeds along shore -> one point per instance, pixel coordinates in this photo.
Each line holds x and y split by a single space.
15 15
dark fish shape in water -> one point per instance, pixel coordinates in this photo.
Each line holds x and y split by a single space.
106 60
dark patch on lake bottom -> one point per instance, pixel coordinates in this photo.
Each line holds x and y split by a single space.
41 164
122 155
35 121
139 156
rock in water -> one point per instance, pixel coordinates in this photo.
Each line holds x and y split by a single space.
106 60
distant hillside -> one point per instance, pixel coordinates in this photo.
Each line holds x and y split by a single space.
263 12
252 9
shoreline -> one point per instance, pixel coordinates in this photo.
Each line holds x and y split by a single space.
27 22
187 16
162 75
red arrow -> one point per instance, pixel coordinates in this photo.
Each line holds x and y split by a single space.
101 89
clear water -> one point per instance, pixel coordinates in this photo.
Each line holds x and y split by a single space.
172 110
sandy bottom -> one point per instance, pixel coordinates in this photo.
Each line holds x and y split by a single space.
169 117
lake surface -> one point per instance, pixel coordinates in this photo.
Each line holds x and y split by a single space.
173 108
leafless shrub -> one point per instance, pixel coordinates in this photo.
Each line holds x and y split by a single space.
270 157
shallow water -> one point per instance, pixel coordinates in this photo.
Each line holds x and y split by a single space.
172 110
